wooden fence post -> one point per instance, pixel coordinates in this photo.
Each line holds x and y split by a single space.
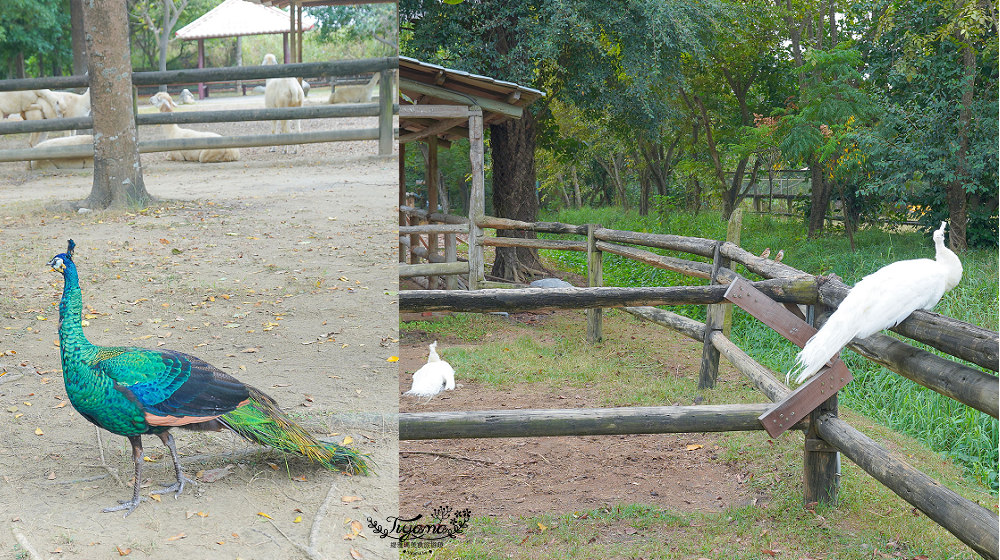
385 102
733 236
431 180
403 219
595 278
820 460
713 322
477 199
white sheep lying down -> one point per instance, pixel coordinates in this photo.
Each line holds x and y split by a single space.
363 93
207 155
64 163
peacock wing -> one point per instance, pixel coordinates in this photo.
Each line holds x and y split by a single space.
172 387
889 295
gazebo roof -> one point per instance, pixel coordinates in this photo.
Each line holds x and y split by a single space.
239 17
431 84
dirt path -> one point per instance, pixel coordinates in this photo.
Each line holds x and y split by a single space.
278 269
535 475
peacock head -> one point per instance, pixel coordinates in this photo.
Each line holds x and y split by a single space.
58 262
939 233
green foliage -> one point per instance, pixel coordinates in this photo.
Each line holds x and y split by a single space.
37 30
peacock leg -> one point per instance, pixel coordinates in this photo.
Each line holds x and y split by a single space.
178 486
129 505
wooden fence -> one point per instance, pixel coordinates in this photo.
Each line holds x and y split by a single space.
826 433
384 110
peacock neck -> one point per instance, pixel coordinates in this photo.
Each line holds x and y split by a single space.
72 342
948 258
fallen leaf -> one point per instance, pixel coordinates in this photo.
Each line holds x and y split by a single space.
693 446
213 475
125 552
52 475
355 554
541 528
392 359
298 519
299 478
347 440
176 537
39 432
155 497
356 527
262 514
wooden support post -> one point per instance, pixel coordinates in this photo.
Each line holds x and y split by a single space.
713 322
202 88
403 221
385 134
431 180
820 461
450 255
595 279
733 236
477 199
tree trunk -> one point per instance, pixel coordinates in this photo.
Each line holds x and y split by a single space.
117 168
820 191
513 156
958 214
77 37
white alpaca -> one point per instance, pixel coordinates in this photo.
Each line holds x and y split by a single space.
31 105
282 92
356 93
207 155
64 163
71 105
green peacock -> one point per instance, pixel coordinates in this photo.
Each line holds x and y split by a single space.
133 391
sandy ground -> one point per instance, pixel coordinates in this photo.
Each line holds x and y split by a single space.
534 475
279 270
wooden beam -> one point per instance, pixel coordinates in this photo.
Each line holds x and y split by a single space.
484 301
434 228
686 267
434 112
595 279
970 522
433 130
385 104
555 244
580 421
433 269
491 105
547 227
684 325
477 200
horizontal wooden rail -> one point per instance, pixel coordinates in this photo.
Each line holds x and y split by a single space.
971 523
553 244
228 73
433 217
481 301
762 378
684 325
190 117
166 145
434 228
694 245
690 268
954 380
433 269
546 227
582 421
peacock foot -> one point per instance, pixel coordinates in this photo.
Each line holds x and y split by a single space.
177 487
127 505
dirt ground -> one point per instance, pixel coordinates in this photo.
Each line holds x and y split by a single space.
279 269
513 477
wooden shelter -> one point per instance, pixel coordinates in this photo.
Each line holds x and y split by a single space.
439 105
237 18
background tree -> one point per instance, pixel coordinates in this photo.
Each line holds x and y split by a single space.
117 168
35 31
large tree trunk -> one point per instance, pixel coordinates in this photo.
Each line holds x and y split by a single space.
77 37
513 156
117 169
958 213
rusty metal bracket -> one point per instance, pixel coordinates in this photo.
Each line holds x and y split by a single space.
820 387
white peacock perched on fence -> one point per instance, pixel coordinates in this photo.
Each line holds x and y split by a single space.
881 300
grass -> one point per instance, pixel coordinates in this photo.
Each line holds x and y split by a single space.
950 428
640 364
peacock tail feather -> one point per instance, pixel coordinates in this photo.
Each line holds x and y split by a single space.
262 422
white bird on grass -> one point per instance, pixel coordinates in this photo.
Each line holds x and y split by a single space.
433 376
881 300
